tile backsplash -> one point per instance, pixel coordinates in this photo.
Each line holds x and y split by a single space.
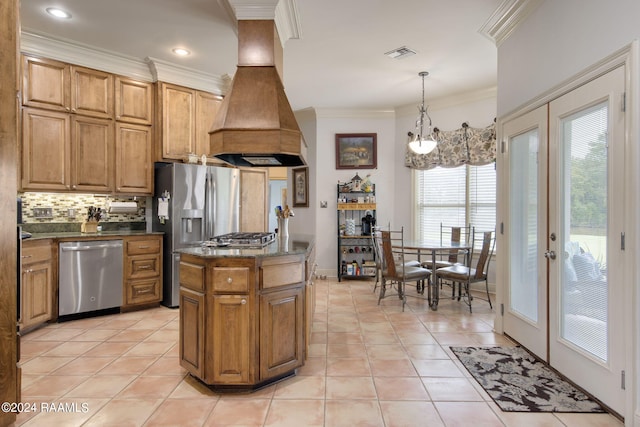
64 204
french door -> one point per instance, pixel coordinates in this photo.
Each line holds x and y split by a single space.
525 317
564 300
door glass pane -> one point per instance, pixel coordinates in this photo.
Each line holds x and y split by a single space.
523 240
584 289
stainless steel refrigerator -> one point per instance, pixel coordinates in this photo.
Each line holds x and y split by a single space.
195 203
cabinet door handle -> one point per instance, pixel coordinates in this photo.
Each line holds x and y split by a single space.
243 301
144 247
144 267
229 280
27 256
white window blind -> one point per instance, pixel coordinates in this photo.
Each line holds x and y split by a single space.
482 196
455 197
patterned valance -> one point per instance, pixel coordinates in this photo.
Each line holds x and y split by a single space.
467 145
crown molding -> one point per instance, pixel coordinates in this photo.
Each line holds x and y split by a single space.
288 20
450 101
254 9
45 45
340 113
149 69
171 73
506 18
283 12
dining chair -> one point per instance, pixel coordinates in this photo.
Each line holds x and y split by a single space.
376 237
464 275
395 268
453 234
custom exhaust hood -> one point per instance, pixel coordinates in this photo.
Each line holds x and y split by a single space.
255 125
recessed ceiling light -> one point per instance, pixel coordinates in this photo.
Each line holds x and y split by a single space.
58 13
181 51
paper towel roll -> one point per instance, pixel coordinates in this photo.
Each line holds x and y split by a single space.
123 207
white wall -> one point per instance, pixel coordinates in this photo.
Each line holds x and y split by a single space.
560 39
326 176
305 218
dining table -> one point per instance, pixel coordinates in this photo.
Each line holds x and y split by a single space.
435 248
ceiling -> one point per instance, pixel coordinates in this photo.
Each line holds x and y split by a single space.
338 61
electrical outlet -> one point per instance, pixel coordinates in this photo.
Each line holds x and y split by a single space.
323 204
43 212
71 213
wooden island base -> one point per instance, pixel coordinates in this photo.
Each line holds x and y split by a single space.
244 317
244 389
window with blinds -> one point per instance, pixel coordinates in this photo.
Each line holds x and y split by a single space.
455 197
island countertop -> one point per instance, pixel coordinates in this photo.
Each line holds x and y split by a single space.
292 245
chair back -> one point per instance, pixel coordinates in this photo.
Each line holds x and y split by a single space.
387 254
456 234
486 252
376 236
393 252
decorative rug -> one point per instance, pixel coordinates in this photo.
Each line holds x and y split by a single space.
518 382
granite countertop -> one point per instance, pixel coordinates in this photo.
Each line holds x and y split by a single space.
293 245
88 236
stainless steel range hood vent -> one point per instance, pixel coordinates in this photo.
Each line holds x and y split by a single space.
255 125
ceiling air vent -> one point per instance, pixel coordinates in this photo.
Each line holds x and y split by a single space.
401 52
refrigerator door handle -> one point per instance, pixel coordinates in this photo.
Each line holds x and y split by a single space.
207 223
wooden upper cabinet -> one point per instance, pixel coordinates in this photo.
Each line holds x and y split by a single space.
91 92
134 101
45 84
207 105
253 199
177 115
69 138
46 150
92 154
134 163
184 119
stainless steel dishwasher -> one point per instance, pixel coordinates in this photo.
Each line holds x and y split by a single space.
90 276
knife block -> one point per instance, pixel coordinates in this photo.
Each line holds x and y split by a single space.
89 227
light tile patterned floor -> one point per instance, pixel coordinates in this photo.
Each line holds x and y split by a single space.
369 365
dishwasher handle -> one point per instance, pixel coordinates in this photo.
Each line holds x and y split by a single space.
89 248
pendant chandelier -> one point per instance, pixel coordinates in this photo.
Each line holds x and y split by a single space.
420 142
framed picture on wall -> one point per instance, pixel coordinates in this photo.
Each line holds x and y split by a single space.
356 150
300 187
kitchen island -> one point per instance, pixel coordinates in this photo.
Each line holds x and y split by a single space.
245 314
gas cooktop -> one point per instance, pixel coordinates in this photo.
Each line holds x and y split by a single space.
244 239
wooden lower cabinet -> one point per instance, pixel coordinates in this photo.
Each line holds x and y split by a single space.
233 331
36 286
192 349
142 270
281 331
231 339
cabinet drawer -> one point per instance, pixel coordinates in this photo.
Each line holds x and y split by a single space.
143 291
143 266
139 247
283 271
192 276
231 279
36 252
